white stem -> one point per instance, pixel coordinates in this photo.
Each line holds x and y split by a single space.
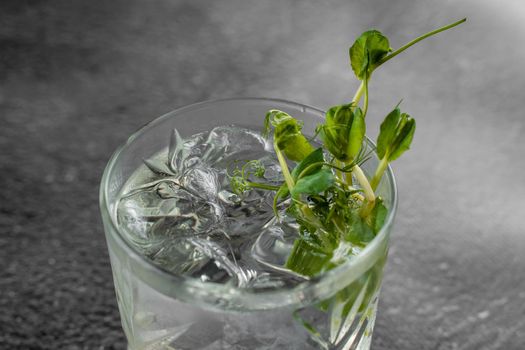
363 181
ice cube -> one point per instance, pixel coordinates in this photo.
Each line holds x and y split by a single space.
178 256
245 215
272 247
164 208
184 153
201 182
272 173
223 256
227 143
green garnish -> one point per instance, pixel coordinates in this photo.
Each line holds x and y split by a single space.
240 179
333 214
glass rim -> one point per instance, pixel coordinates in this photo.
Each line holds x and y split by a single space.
280 296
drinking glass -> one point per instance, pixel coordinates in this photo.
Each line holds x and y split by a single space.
162 310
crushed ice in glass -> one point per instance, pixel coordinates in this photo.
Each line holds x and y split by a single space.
179 210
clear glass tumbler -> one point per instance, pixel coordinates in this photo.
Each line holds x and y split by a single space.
160 310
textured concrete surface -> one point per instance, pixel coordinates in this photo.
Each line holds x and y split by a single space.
77 77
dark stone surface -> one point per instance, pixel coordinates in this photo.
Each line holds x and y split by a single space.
77 77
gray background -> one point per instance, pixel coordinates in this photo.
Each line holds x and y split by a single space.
77 77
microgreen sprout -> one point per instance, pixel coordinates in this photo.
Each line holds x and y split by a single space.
240 178
333 213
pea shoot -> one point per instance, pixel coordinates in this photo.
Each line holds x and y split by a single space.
327 192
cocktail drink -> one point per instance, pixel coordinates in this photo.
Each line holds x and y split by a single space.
197 266
256 223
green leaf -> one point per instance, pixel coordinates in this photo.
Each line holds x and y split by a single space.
297 148
387 132
358 231
340 115
361 231
287 135
357 134
273 118
403 138
316 157
343 131
335 130
378 215
313 184
396 134
367 51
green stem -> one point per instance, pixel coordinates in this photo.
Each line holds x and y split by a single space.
365 102
348 178
262 186
358 93
284 167
406 46
338 170
383 164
